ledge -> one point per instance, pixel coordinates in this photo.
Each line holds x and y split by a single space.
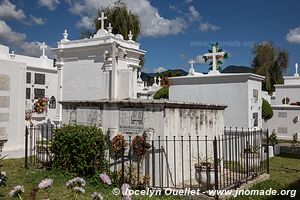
142 103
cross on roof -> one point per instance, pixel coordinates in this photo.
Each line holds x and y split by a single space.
192 62
213 55
102 18
296 66
192 70
43 47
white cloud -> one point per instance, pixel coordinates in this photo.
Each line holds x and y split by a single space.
85 23
208 26
37 20
7 35
152 23
159 69
9 11
193 14
50 4
199 59
293 35
17 41
188 1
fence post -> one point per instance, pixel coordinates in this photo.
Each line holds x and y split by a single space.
153 164
268 163
123 164
216 164
26 147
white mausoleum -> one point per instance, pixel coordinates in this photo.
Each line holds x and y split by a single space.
24 80
241 92
286 108
104 66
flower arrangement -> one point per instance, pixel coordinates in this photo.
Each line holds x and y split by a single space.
140 146
119 144
40 106
28 116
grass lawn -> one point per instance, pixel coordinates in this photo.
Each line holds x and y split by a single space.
18 175
285 174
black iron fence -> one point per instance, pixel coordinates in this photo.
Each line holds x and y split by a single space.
38 140
220 162
209 162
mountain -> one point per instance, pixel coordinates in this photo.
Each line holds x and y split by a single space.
168 73
237 69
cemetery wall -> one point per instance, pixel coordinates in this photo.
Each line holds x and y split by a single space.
285 121
12 106
166 119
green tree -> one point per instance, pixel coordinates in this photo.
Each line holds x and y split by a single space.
162 93
121 19
267 111
270 62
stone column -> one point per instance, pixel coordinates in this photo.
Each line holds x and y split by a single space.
134 83
58 117
114 76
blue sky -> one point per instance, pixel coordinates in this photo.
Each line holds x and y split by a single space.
173 31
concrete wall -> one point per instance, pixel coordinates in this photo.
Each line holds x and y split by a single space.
283 122
166 121
85 80
235 96
236 92
12 106
292 92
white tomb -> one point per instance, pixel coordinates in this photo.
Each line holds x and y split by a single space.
241 92
285 103
102 67
25 79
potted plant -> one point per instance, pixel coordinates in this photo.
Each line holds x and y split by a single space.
273 148
205 172
250 157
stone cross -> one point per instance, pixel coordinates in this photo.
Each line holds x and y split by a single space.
102 18
192 62
43 47
192 70
109 28
213 56
296 66
155 81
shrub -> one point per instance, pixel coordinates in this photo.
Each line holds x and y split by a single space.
273 138
267 111
162 93
79 149
294 139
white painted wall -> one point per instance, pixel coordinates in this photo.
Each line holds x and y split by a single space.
235 91
166 121
15 125
283 120
284 115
